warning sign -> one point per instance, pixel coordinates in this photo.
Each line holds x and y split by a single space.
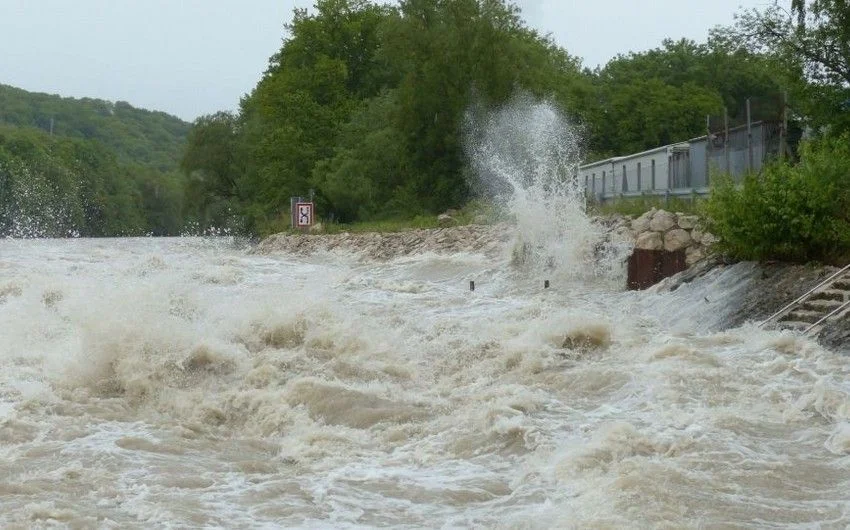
304 214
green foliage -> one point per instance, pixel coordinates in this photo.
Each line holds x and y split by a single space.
810 44
58 187
635 206
794 213
364 104
107 169
469 213
395 224
663 95
135 136
365 177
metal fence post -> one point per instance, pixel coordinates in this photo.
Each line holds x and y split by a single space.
726 140
749 137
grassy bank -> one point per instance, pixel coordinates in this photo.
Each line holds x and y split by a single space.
476 211
636 206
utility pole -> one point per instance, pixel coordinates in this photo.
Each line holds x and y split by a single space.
749 137
726 139
783 127
785 149
708 149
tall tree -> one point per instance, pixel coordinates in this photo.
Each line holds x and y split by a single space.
663 95
811 40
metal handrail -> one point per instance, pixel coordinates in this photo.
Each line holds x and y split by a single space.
798 300
821 321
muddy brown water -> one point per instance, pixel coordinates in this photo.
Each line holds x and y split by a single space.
188 383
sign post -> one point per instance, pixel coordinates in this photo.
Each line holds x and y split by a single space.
302 213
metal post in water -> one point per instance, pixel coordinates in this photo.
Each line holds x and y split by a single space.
471 285
546 284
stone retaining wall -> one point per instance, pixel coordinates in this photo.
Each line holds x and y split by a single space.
663 230
654 230
488 239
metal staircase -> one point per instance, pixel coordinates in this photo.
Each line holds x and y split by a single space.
807 314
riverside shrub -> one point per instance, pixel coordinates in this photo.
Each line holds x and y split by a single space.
787 212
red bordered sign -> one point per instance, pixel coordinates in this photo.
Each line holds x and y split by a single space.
303 214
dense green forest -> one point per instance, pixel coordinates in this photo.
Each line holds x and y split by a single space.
365 105
88 167
796 209
135 136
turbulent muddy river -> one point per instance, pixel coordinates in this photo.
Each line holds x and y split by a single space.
190 383
199 383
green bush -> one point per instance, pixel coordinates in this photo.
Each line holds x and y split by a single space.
795 213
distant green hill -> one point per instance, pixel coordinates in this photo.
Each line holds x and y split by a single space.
88 167
136 136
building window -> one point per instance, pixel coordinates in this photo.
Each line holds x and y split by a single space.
625 180
653 174
638 182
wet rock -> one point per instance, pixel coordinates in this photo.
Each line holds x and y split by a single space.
696 235
688 222
709 239
641 224
650 241
694 255
662 221
676 239
385 246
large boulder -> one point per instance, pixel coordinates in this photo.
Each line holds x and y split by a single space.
641 224
676 239
696 235
445 219
649 241
694 255
709 239
688 222
662 221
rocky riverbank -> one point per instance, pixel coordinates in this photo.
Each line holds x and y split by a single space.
487 239
663 230
752 292
654 230
761 289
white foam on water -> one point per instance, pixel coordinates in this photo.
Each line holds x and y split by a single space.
187 383
324 392
525 155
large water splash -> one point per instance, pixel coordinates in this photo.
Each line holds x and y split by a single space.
525 155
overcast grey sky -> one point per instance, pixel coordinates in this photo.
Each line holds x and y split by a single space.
193 57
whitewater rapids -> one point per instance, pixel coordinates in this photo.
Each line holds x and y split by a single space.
189 383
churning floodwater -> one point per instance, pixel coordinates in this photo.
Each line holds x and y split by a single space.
191 383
